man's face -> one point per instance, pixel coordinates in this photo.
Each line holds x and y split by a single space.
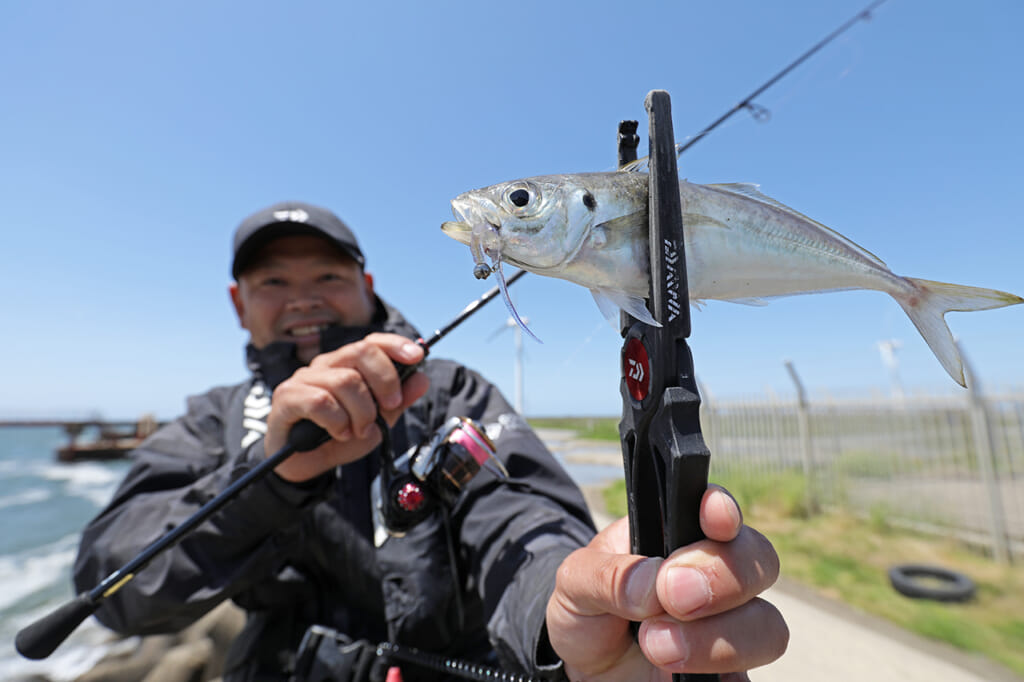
296 286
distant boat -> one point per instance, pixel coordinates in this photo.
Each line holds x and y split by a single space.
100 449
113 441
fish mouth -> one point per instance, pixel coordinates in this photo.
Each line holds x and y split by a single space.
479 226
458 231
475 211
473 216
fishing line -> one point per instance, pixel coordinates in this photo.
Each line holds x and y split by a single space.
748 102
579 347
826 72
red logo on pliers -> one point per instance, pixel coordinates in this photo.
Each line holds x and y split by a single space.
636 367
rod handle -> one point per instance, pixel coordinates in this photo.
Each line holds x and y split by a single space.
305 435
41 638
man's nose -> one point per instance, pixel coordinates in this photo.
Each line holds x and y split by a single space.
305 298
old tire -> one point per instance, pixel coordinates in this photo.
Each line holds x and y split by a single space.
931 582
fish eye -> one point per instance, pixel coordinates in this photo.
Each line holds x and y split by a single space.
522 198
519 197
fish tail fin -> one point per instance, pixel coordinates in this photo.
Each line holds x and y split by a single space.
927 305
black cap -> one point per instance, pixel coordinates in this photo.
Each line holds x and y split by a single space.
286 219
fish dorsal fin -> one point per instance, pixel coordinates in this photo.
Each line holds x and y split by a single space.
641 165
752 191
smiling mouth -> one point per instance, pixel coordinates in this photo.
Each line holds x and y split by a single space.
306 330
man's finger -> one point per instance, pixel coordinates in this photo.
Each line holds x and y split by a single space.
720 515
374 358
748 636
596 595
709 577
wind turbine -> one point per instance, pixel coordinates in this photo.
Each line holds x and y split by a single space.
887 348
518 374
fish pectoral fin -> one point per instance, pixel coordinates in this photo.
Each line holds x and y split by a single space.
608 308
621 229
608 300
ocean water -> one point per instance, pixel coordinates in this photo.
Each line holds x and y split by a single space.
44 504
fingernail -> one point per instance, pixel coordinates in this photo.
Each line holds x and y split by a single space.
411 350
642 582
688 589
732 508
392 401
665 645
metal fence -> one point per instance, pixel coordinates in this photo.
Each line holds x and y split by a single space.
953 464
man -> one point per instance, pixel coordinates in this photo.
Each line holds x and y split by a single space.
298 549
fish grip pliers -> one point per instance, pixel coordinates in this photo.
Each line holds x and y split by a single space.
664 454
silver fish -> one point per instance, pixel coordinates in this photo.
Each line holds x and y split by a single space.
742 246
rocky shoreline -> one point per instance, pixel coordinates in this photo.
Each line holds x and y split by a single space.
196 654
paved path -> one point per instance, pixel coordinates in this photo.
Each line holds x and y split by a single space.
829 641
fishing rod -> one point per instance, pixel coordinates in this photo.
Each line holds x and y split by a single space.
41 638
748 101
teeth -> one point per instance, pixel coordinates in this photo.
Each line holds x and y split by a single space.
305 331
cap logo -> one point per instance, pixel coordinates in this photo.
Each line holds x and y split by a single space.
291 215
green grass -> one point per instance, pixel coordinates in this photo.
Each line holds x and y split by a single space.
592 428
848 559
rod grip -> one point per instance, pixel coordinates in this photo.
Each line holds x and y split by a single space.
305 435
41 638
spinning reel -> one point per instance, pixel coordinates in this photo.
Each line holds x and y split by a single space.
430 476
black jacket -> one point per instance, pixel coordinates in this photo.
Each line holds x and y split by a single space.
293 555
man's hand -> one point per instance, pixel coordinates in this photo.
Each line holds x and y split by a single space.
698 608
341 391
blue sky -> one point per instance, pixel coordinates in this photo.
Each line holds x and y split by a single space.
135 136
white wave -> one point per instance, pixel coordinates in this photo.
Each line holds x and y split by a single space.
30 496
81 473
24 574
93 482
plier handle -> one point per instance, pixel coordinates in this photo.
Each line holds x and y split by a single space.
664 455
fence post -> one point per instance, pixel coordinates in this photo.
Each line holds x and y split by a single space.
707 407
806 446
981 429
